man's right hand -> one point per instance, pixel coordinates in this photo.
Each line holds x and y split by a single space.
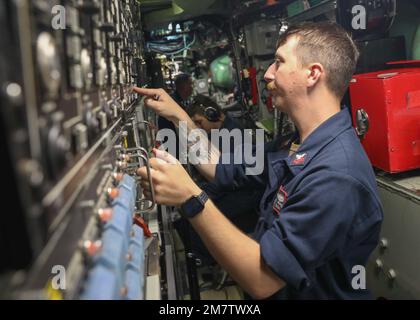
161 102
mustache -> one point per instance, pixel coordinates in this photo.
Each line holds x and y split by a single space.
270 85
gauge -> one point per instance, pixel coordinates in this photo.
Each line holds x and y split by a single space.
97 37
48 62
113 73
43 5
123 74
86 64
102 74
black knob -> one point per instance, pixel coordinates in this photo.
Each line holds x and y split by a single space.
106 27
92 123
116 38
58 148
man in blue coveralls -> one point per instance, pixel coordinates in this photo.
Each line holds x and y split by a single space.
183 91
239 206
320 214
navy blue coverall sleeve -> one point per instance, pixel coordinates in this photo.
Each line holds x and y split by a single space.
232 177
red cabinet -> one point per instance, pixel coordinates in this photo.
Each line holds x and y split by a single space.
387 103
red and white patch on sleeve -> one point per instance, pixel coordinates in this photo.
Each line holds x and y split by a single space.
280 200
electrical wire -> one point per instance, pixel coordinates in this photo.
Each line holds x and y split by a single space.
172 51
393 13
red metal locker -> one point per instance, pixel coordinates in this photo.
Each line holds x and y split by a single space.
388 102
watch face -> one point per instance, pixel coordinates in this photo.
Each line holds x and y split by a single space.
192 207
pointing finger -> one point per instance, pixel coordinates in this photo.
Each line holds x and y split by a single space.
147 92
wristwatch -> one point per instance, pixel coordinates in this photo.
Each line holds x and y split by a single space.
194 205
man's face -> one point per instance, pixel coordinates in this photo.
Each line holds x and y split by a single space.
286 76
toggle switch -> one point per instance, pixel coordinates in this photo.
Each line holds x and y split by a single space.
81 137
103 121
118 177
121 165
124 103
113 193
124 157
379 264
391 274
105 215
383 244
91 248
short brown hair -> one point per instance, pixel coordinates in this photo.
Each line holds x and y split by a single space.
329 44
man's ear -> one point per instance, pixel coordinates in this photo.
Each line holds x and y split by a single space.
315 71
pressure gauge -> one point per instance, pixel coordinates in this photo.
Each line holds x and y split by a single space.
102 72
86 64
48 63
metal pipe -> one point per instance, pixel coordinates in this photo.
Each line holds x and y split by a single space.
416 44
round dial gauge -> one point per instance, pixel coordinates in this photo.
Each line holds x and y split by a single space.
48 62
86 64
